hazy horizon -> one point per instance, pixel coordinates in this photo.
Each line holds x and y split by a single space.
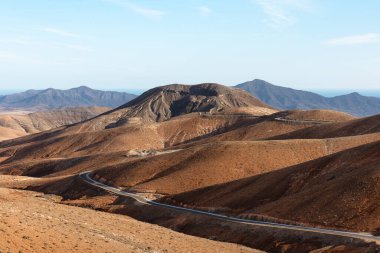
323 92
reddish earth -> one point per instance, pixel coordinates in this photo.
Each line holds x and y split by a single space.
340 190
136 124
16 124
347 128
33 222
78 193
209 164
267 127
319 115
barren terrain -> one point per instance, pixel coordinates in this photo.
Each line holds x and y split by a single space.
209 147
17 124
32 222
339 190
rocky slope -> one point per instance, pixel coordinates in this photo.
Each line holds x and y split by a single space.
163 103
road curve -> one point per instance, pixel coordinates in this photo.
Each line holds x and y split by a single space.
85 176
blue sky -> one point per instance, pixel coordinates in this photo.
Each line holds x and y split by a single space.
130 44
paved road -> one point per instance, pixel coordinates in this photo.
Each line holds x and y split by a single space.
316 122
85 176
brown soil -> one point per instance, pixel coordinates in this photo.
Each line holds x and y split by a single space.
340 190
347 128
267 127
84 139
17 125
32 222
319 115
270 240
191 168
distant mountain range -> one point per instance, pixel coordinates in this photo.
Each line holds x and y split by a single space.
36 100
287 98
276 96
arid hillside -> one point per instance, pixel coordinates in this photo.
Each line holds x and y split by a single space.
133 126
210 147
319 115
16 125
278 124
216 163
79 140
33 222
353 127
340 190
61 153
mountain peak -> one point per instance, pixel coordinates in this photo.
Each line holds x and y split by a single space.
260 81
290 99
203 89
164 102
82 87
354 94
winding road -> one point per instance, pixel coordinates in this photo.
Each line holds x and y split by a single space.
315 122
85 176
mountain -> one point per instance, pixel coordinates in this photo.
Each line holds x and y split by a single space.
287 99
37 100
13 126
158 119
165 102
217 148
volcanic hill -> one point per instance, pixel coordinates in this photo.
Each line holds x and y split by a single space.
163 103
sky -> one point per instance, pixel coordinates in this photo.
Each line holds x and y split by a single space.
138 44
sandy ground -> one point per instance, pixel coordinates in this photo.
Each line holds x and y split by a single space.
14 124
21 182
32 222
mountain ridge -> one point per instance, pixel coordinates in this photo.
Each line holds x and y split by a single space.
47 99
288 99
